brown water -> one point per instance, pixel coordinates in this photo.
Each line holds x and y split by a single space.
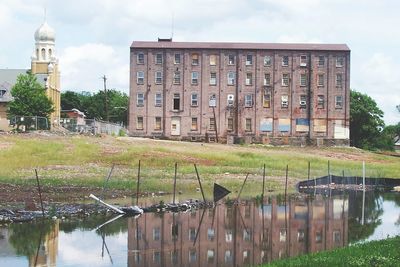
228 235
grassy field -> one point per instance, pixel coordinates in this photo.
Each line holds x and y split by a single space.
81 160
376 253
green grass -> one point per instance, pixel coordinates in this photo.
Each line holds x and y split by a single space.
375 253
82 160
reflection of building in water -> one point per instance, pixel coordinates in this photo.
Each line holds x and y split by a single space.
231 236
48 250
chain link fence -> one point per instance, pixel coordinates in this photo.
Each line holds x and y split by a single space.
29 123
92 126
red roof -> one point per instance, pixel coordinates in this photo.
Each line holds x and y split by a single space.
247 46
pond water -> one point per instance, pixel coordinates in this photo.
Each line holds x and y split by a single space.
247 234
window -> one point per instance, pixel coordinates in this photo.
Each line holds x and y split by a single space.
43 54
210 234
140 58
210 256
339 80
230 124
282 235
249 78
158 124
231 78
248 125
213 60
249 60
195 77
194 124
140 77
213 78
321 80
246 235
303 61
267 61
176 101
192 256
339 61
158 100
338 101
267 79
231 59
318 237
194 101
212 101
158 78
2 92
300 235
303 79
140 100
266 99
284 101
336 236
212 124
192 233
177 77
321 102
231 99
285 61
303 101
139 123
195 59
321 61
248 100
285 79
177 58
159 58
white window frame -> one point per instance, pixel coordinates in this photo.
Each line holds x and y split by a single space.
320 101
212 100
158 77
285 79
321 59
140 77
159 59
155 124
232 79
267 79
195 78
175 57
248 129
338 104
194 119
177 77
339 82
158 100
140 99
303 101
284 101
213 80
230 100
303 60
194 100
138 61
249 78
137 123
248 100
249 59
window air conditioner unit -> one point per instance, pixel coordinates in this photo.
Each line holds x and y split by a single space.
303 64
302 103
285 103
231 99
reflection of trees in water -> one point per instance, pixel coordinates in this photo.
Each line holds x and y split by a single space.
26 236
372 212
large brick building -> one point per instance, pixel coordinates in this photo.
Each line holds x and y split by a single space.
270 93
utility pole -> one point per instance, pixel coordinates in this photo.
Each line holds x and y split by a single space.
106 98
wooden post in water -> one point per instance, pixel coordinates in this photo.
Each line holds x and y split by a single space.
286 181
263 186
176 168
40 192
137 185
329 172
201 187
309 168
363 173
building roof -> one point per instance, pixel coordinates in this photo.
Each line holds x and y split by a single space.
8 77
248 46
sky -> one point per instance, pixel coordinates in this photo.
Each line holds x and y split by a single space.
93 36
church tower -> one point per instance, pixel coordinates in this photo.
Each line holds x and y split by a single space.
45 64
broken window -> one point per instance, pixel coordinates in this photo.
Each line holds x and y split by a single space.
249 60
267 79
231 59
266 99
195 59
212 101
249 78
284 101
303 101
303 61
177 102
267 61
213 60
321 101
230 124
285 61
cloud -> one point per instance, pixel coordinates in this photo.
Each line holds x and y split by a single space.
82 67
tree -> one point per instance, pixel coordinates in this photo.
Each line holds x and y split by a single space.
70 100
366 123
30 98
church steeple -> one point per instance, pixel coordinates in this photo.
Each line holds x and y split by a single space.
44 44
